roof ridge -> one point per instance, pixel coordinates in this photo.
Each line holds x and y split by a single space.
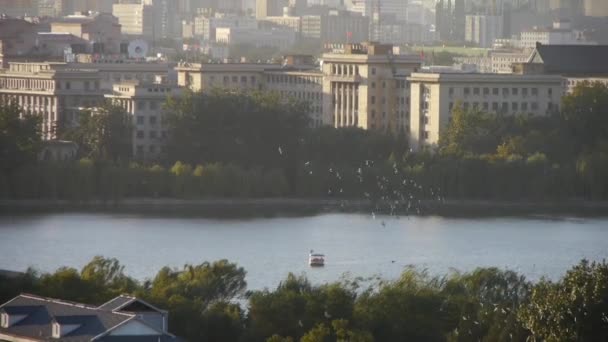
58 301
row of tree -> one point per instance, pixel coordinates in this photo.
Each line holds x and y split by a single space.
210 302
249 139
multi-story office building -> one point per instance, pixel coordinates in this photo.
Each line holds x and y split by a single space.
17 39
301 85
137 19
19 8
483 29
50 90
126 71
435 95
560 34
280 38
144 101
596 8
336 26
295 79
576 63
497 61
204 26
364 85
101 32
269 8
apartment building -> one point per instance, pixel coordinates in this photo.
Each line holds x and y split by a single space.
364 86
50 90
434 96
336 27
561 33
144 101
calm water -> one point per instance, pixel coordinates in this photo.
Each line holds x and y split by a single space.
270 248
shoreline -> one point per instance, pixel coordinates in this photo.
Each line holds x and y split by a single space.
264 207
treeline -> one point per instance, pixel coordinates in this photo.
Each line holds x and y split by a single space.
487 304
223 144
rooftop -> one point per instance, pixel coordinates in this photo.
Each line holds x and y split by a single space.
571 59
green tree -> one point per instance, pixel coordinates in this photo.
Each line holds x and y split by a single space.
20 140
583 114
572 309
105 133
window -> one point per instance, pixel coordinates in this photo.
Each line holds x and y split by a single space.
140 134
505 106
494 91
140 119
514 106
141 105
373 85
451 91
550 92
451 106
426 120
140 149
373 113
465 105
153 105
505 91
373 99
475 91
373 71
68 85
486 106
87 85
235 79
534 91
243 79
467 91
226 79
486 91
153 120
426 135
534 105
152 149
524 106
515 91
524 92
383 85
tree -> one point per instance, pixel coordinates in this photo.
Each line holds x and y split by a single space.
105 133
584 114
470 132
572 309
20 139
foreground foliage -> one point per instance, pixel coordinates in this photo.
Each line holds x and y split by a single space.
207 302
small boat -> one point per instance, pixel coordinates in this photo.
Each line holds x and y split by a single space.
316 259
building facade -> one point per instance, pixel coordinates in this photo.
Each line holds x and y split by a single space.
144 101
137 19
101 32
435 95
365 86
483 29
50 90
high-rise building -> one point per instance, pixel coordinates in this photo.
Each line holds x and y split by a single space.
137 19
483 29
269 8
19 8
596 8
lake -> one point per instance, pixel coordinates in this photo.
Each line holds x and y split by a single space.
269 248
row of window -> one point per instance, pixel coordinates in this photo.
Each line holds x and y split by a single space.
346 69
291 79
504 106
140 134
153 149
497 91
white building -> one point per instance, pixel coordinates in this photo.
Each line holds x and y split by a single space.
483 29
560 34
434 96
275 37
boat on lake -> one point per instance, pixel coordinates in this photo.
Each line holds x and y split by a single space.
316 259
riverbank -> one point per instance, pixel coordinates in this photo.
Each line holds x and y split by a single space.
304 207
